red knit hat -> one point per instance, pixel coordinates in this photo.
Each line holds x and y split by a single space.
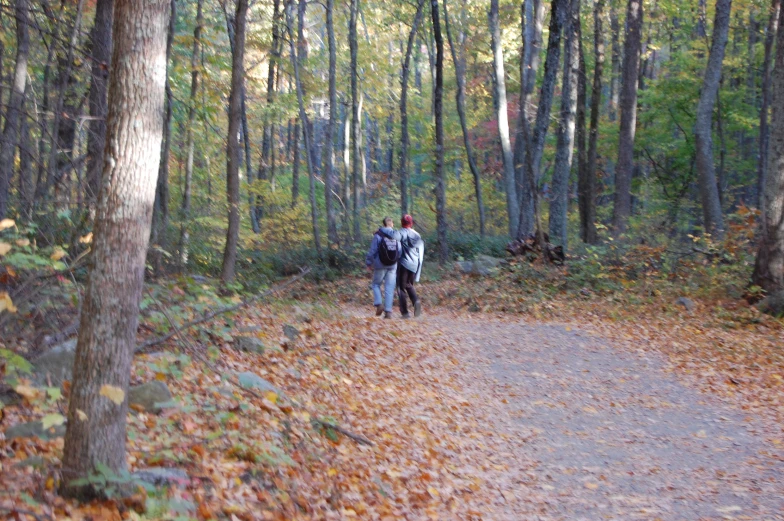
407 221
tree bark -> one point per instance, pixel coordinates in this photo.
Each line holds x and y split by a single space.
355 114
295 164
185 209
160 213
13 114
459 64
709 191
26 158
559 202
532 24
615 60
233 157
101 50
303 116
438 104
587 183
770 37
109 318
769 266
622 207
510 184
404 73
268 131
329 161
528 221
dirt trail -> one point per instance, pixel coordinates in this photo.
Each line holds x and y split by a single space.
610 432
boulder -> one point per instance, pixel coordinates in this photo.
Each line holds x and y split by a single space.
291 332
484 265
465 267
773 304
250 380
162 477
56 365
34 430
248 344
149 396
686 303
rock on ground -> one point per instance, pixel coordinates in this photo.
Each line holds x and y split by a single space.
34 429
149 396
56 365
248 344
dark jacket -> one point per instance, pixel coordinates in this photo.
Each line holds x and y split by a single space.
371 259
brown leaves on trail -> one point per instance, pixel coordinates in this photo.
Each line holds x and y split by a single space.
294 450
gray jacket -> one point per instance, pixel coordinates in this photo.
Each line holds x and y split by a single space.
371 259
413 251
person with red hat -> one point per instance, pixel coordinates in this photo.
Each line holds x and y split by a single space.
409 266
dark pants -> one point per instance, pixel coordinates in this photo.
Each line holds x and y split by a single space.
405 284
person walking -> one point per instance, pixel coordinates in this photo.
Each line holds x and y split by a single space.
410 266
382 259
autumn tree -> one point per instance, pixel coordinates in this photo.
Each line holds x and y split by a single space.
107 333
233 150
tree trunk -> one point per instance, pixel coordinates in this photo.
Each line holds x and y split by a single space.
709 192
559 202
160 213
329 161
60 156
355 113
559 12
14 113
190 144
769 266
615 60
233 157
110 309
459 64
268 131
532 22
404 72
770 37
101 50
295 164
510 184
441 226
582 102
587 184
622 207
303 116
26 158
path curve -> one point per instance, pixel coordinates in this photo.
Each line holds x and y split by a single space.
611 433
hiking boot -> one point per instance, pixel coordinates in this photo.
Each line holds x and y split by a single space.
405 315
379 310
417 308
387 314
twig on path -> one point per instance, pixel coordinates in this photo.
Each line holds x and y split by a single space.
337 428
219 311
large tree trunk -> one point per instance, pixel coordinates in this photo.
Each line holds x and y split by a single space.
26 159
160 213
438 104
355 138
559 202
769 267
622 208
404 72
615 60
559 12
532 24
770 36
329 157
295 163
303 116
14 113
510 184
587 184
459 64
709 191
233 157
101 50
110 309
269 128
190 141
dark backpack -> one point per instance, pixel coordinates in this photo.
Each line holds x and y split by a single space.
389 250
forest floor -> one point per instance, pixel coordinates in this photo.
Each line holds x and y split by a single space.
571 411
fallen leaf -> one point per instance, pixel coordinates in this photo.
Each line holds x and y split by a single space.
52 420
115 394
81 415
58 254
6 223
6 304
4 248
